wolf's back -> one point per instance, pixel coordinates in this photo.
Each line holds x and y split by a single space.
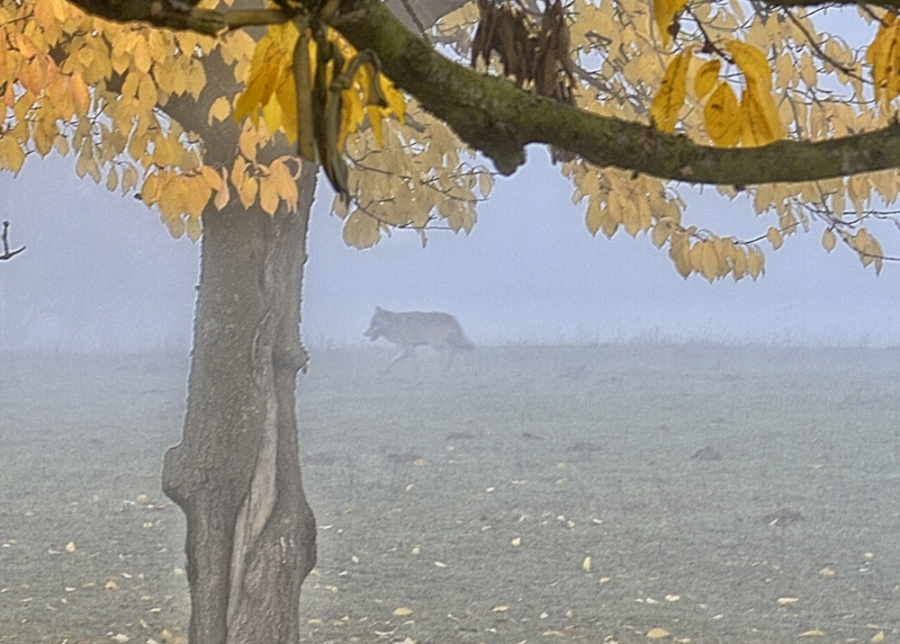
439 330
419 328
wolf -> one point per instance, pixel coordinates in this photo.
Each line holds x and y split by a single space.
415 329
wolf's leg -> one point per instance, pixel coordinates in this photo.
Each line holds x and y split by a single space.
451 362
405 353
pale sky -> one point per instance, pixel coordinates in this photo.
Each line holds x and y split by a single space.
531 271
102 272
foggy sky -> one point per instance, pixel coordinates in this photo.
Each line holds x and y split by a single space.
102 272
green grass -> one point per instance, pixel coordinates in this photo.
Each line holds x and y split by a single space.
570 452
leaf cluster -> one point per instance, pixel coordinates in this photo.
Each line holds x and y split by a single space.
795 83
128 102
752 122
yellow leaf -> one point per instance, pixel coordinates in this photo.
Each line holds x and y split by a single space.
374 113
706 77
776 239
272 114
247 143
175 226
80 93
722 117
213 179
393 96
70 547
167 151
696 257
829 240
196 79
194 228
24 45
129 179
661 232
784 601
238 175
709 260
739 269
112 180
62 145
223 195
680 252
247 191
586 564
172 197
594 216
43 15
286 95
264 75
151 189
499 609
361 230
140 54
761 124
219 110
657 633
402 611
664 11
196 196
285 183
877 638
137 145
45 133
753 63
755 263
268 195
882 55
485 184
886 22
672 92
812 633
147 94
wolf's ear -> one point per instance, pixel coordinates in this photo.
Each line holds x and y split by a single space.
378 309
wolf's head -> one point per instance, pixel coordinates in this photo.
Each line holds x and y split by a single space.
381 321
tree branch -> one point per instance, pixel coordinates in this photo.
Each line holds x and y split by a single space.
174 14
493 116
4 240
885 4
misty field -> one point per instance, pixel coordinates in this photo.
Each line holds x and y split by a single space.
616 493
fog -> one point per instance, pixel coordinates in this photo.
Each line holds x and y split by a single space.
102 273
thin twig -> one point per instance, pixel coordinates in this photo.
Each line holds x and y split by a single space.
4 238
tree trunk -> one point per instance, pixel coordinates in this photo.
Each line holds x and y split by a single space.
236 474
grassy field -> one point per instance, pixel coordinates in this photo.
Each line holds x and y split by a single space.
525 494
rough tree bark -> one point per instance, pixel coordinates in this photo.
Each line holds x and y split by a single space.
251 536
236 474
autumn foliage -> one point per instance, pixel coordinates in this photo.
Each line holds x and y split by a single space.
78 85
101 91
